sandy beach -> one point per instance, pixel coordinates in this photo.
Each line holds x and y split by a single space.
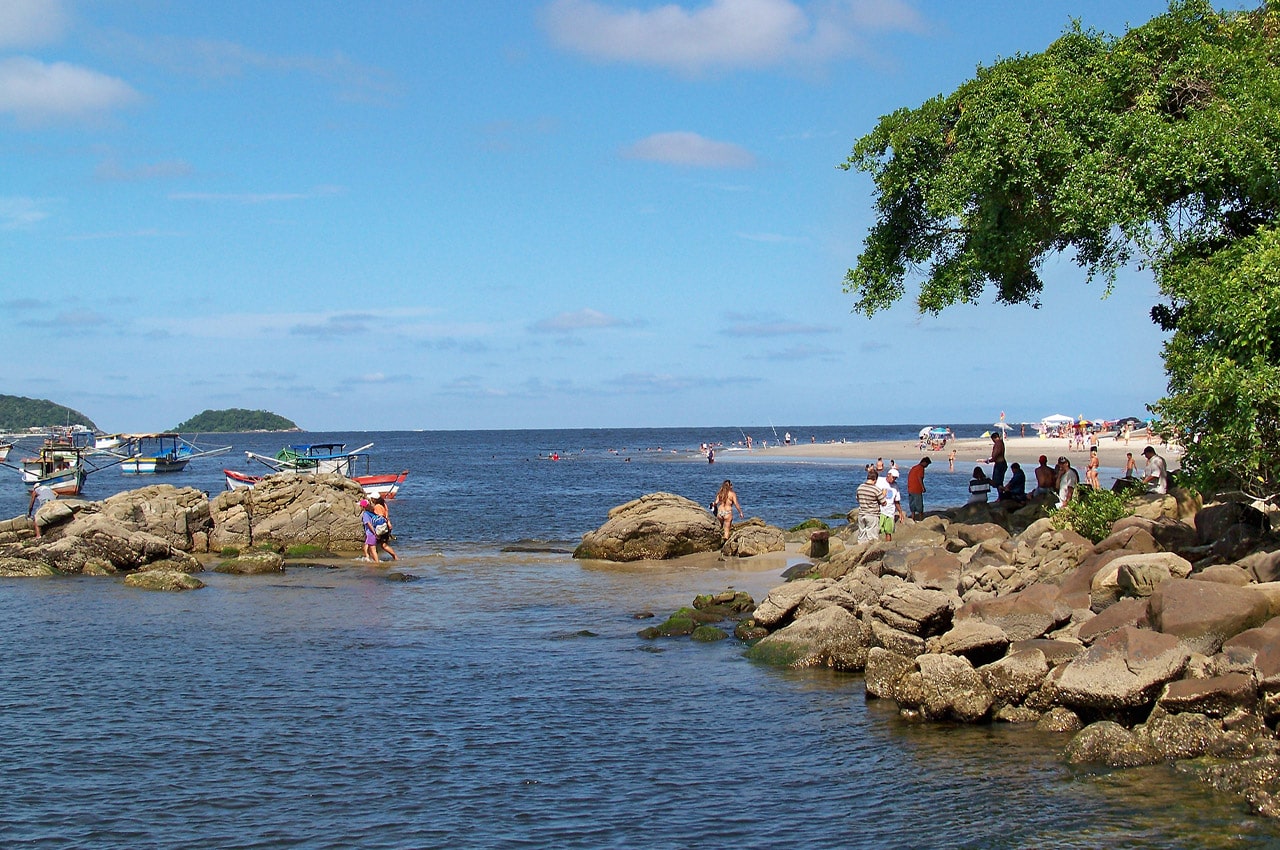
973 451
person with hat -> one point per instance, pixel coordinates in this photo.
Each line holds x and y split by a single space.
1068 481
1156 473
891 508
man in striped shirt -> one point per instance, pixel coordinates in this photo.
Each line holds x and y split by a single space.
870 499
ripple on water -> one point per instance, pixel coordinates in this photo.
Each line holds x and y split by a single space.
335 709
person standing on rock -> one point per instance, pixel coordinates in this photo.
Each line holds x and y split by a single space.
726 501
870 499
41 494
891 510
998 465
915 488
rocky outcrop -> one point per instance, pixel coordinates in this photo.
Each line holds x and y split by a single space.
290 510
654 527
754 537
1155 644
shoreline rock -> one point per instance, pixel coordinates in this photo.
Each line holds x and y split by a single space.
1160 643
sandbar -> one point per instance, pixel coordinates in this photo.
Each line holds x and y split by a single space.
976 450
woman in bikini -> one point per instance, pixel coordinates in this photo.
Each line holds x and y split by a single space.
726 501
1091 471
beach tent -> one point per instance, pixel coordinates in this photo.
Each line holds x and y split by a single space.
1057 419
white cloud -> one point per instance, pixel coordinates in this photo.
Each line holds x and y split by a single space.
35 92
27 23
20 213
724 34
691 149
583 319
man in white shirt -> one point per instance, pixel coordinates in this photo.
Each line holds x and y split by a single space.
891 509
1156 473
1068 481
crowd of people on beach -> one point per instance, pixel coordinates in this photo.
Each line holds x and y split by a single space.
879 504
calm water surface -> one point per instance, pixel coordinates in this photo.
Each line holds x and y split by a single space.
504 700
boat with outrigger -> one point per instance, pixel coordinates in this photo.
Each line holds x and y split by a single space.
319 459
156 454
61 463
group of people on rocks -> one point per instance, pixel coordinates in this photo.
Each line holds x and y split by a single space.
880 504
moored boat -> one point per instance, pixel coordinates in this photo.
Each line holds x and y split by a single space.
154 454
386 486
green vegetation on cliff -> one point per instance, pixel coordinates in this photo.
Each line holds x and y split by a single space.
18 413
235 420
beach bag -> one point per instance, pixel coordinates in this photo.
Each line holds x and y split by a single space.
380 526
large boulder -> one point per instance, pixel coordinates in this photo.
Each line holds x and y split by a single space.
779 604
1123 670
95 543
290 510
1137 574
1205 614
654 527
1024 615
914 610
754 537
829 637
177 515
1015 676
945 687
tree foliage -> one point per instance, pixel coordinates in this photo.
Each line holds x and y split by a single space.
1161 146
235 420
18 413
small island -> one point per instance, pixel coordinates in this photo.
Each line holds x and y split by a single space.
19 413
235 420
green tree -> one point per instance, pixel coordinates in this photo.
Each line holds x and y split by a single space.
1161 146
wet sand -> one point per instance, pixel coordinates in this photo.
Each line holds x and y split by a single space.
969 451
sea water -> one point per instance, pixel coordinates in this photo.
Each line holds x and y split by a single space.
502 698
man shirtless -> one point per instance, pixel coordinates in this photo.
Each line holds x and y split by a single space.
1046 479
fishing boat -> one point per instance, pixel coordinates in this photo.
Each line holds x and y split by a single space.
321 458
386 486
314 457
5 448
154 454
59 467
109 442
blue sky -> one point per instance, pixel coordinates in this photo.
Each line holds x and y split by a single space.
446 214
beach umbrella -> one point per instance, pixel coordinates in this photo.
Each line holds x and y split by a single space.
1057 419
1003 426
939 430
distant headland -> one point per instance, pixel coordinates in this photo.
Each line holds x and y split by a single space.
19 413
236 420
